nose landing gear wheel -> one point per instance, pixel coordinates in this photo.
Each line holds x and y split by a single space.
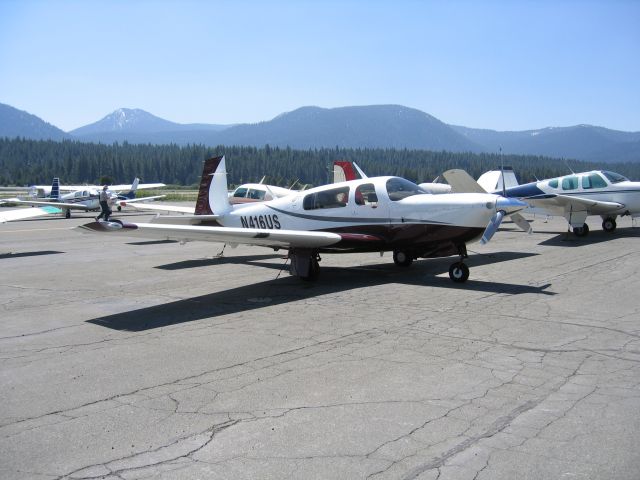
458 272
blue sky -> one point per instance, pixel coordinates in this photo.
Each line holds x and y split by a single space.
504 65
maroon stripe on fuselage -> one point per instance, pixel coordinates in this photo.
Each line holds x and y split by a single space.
419 238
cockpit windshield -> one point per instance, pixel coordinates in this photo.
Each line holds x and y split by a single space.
399 188
614 177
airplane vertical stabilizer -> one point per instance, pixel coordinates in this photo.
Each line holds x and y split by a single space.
131 194
213 198
491 181
55 188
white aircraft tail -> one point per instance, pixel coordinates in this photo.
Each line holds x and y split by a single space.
491 181
344 171
131 194
213 198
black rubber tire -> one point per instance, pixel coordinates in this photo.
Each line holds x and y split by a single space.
314 271
459 272
609 225
582 231
402 258
67 213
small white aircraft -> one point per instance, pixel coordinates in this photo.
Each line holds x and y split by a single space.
367 215
344 170
86 199
245 193
575 196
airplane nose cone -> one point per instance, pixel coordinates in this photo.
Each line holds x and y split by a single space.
509 205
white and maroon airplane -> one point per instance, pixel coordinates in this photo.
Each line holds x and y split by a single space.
367 215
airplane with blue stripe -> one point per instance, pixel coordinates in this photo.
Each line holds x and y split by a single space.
85 198
575 196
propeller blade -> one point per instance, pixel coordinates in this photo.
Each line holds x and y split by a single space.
521 222
492 227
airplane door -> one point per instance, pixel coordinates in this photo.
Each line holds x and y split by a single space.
367 205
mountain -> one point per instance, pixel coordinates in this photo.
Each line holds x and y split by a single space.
18 123
138 126
376 126
582 142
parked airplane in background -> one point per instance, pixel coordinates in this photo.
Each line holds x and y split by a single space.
86 199
575 196
345 170
245 193
367 215
37 192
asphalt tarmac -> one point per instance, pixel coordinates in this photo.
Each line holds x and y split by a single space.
130 359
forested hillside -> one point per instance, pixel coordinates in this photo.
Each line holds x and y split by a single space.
27 162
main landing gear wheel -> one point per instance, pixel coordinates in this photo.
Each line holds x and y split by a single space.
67 213
119 208
402 258
582 231
314 271
459 272
609 225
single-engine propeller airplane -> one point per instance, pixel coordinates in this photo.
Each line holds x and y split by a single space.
344 170
368 215
85 199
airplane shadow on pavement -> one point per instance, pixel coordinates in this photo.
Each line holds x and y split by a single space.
29 254
286 289
568 239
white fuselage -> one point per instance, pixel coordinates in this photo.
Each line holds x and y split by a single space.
367 206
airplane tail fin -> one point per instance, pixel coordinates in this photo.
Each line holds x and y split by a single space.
55 188
213 198
131 194
344 171
492 181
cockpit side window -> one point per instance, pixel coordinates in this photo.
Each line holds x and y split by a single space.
256 194
240 192
593 181
615 177
334 198
553 183
570 183
366 195
399 188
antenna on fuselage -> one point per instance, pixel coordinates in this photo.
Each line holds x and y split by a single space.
504 189
567 165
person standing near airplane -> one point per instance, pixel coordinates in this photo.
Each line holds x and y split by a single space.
104 204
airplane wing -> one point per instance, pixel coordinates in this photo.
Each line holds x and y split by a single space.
185 233
69 206
23 213
164 208
141 186
124 203
562 203
462 182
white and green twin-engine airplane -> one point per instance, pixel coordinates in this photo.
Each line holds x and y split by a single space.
366 215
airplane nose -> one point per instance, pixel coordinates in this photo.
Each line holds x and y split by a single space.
509 205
